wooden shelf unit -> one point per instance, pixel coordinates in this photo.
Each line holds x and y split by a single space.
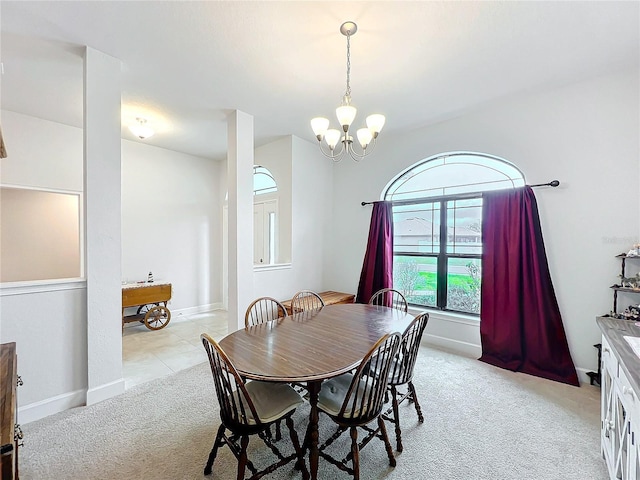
10 432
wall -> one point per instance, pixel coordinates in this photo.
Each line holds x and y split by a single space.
276 157
170 225
586 135
39 234
171 219
311 193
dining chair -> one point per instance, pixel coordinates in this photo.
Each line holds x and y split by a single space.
388 297
250 408
306 300
262 310
355 400
401 373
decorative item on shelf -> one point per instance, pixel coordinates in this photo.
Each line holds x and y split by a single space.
632 312
635 251
150 278
630 282
346 113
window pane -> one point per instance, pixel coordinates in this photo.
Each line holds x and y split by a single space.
464 224
263 181
454 174
463 284
416 278
416 228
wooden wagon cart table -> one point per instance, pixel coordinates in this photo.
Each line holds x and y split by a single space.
151 300
310 347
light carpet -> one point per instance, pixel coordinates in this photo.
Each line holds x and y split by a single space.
481 423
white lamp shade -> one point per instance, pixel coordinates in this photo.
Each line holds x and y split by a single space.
319 126
364 137
375 123
346 114
332 137
140 129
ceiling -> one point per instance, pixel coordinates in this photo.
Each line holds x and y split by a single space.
186 65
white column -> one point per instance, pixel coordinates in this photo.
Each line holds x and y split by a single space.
102 205
240 240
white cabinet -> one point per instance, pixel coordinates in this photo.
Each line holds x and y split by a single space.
620 411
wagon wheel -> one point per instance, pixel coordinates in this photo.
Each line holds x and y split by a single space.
157 317
143 309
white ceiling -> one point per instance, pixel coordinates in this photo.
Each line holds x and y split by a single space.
185 65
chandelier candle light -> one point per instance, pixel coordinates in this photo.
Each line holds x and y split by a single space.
346 113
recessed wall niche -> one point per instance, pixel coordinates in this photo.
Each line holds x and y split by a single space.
39 234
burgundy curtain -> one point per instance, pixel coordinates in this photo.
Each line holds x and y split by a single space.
377 269
521 327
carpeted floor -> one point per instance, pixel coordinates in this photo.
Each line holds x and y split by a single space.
481 423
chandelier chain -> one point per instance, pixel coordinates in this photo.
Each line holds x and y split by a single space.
348 92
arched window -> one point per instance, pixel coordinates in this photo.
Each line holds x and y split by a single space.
265 217
437 220
263 181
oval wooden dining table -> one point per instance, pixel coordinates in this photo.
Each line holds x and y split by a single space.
310 347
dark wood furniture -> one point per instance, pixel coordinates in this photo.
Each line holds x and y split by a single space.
310 347
262 310
10 432
620 287
250 409
388 297
355 400
148 297
306 300
329 298
402 375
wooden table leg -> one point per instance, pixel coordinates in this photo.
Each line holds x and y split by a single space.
314 388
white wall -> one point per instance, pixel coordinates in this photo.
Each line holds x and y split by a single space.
311 193
171 209
276 157
171 219
586 135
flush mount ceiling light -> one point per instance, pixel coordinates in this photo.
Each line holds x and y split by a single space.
140 128
346 113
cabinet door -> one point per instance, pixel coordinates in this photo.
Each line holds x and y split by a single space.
607 411
631 408
634 460
621 437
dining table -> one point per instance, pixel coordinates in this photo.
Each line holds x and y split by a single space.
309 347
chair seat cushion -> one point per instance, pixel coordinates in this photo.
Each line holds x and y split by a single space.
397 372
333 393
271 400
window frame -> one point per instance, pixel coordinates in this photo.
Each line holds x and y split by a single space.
443 256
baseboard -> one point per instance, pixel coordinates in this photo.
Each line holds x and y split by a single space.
475 351
183 313
108 390
463 348
44 408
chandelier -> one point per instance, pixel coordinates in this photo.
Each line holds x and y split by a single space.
339 142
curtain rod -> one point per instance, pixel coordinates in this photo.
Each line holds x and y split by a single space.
552 183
